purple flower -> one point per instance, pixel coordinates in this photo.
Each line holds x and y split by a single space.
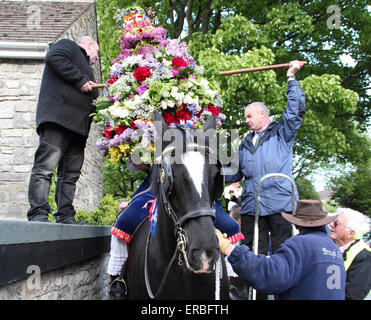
149 61
140 124
146 50
130 42
102 144
192 109
221 116
124 54
115 70
143 88
126 135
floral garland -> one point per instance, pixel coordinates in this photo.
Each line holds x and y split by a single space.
151 74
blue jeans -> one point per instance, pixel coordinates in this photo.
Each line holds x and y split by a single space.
58 147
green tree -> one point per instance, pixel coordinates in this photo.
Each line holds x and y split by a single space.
306 189
119 181
352 190
105 215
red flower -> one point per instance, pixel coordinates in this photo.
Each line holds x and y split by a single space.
108 133
182 115
214 110
120 129
179 62
112 80
141 74
132 124
199 113
168 117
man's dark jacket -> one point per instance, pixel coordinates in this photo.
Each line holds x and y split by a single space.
66 70
358 281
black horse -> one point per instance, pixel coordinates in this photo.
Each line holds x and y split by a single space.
182 260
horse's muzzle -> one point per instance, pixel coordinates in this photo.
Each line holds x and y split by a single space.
203 261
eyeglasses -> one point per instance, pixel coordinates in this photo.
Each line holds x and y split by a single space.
336 223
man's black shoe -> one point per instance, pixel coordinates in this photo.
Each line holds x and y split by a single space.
70 220
118 289
39 218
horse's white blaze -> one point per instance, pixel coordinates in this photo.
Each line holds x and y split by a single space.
195 162
205 262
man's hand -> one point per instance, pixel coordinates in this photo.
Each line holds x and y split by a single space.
87 86
225 245
295 66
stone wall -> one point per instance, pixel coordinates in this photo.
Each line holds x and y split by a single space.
85 280
53 261
19 87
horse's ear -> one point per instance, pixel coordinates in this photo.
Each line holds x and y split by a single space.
160 124
210 123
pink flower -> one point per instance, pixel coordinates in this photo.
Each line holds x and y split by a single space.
175 72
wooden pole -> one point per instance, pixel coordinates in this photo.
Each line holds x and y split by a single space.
98 85
274 66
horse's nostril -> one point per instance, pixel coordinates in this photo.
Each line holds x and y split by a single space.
203 260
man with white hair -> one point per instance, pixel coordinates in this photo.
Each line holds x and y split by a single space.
347 232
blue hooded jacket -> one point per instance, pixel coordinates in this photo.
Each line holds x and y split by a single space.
273 154
308 266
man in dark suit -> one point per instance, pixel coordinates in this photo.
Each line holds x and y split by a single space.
63 124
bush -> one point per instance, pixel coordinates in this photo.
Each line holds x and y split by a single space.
105 215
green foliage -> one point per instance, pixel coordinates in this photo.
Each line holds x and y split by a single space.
329 206
352 190
119 181
306 189
105 215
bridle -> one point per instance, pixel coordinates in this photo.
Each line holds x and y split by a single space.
165 181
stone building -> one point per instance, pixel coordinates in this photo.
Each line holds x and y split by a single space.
27 28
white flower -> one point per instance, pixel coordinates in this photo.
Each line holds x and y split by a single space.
174 90
165 93
118 111
169 103
163 104
132 60
204 83
188 99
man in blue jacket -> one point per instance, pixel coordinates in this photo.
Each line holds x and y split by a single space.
308 266
268 149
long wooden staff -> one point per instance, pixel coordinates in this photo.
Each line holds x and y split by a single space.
228 72
98 85
274 66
